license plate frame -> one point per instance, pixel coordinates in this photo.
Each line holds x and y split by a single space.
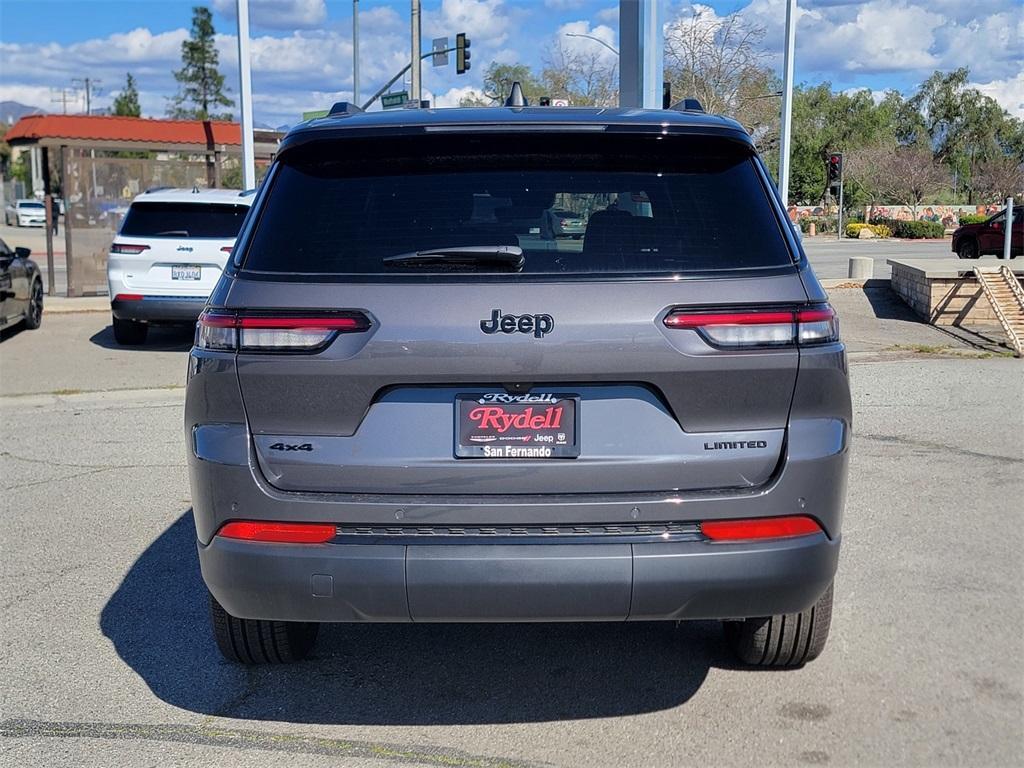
190 272
491 436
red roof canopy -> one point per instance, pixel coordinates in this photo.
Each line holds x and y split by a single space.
99 129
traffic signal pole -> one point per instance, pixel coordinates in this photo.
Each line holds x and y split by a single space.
785 125
839 226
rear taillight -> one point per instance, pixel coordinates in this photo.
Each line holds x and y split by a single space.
281 533
259 332
127 249
760 528
760 328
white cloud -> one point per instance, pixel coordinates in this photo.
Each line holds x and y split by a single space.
279 14
1008 92
608 15
453 96
563 5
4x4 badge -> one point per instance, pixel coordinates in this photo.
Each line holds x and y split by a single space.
538 325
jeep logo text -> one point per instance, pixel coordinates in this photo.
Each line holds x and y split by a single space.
538 325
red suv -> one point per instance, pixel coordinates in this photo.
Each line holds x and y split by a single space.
973 240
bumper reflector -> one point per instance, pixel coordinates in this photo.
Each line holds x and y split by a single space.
759 528
282 533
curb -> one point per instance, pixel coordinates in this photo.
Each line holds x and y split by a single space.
60 305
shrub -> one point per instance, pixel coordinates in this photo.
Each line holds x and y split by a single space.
972 218
822 224
912 230
881 230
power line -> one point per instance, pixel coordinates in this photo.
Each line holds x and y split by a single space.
62 96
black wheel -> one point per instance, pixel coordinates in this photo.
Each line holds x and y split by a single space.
34 314
251 641
789 640
968 249
130 332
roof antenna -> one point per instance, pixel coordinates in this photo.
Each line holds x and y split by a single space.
515 97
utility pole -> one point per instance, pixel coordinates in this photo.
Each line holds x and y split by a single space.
641 66
89 85
355 51
787 101
63 97
245 97
416 86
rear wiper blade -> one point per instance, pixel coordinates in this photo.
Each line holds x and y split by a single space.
504 255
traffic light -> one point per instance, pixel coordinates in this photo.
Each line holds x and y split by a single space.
461 53
835 167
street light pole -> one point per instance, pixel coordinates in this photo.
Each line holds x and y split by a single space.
355 51
245 97
595 39
416 86
787 101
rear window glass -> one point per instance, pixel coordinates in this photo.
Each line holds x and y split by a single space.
646 205
183 220
30 205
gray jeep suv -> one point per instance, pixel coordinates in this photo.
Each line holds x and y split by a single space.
406 404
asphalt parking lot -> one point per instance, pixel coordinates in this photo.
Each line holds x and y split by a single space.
108 660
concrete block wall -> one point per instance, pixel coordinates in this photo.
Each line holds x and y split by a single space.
944 299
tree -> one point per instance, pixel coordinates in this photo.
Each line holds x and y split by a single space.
868 171
720 61
202 87
126 103
498 79
585 79
824 122
914 175
998 178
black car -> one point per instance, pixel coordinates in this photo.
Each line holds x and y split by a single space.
21 288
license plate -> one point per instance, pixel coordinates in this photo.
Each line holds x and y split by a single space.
186 273
497 425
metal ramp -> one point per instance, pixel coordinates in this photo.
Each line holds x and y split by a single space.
1003 291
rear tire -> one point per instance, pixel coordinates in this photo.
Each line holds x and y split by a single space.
34 314
789 640
968 249
130 332
252 641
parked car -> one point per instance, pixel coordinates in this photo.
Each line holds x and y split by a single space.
562 223
21 288
397 411
25 213
971 241
167 256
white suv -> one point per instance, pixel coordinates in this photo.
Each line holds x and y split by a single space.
168 255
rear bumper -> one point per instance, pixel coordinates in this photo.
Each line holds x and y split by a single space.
469 582
159 309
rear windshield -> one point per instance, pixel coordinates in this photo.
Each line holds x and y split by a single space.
647 205
30 205
184 220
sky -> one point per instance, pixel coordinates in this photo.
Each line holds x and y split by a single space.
302 49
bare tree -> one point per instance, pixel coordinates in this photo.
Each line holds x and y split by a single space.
914 175
998 178
720 61
584 78
870 168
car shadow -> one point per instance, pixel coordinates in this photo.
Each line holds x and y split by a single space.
161 338
399 674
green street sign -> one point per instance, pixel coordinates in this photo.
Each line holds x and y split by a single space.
394 100
314 114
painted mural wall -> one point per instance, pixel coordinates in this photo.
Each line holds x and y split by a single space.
947 215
